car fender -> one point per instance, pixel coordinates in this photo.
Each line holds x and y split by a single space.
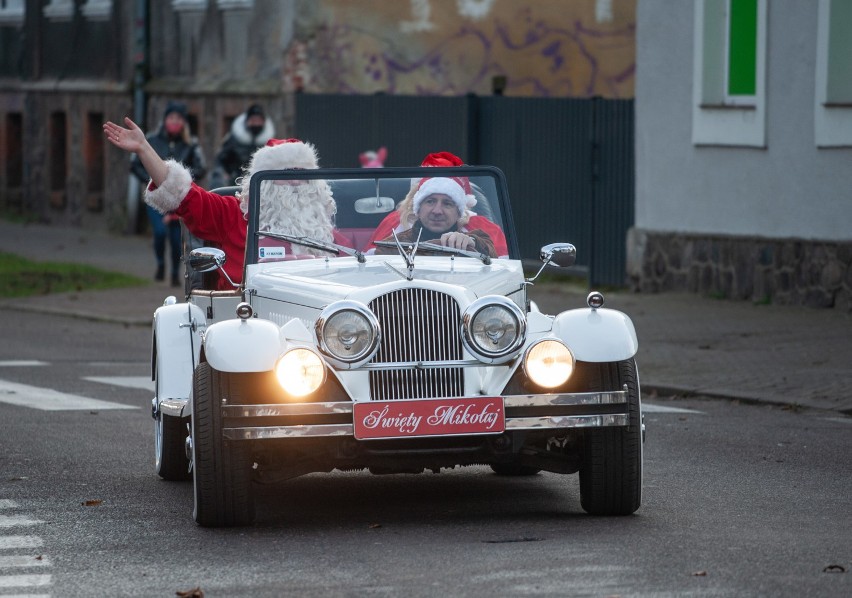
597 335
176 345
251 345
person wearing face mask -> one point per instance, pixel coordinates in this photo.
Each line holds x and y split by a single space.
171 140
249 131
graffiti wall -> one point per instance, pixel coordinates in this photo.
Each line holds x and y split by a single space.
541 48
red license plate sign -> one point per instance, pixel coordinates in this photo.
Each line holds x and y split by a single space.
429 417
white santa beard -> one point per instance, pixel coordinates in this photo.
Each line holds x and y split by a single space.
302 210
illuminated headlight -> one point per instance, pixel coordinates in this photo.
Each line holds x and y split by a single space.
549 363
300 372
348 331
493 327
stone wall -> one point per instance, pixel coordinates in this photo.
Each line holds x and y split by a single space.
782 271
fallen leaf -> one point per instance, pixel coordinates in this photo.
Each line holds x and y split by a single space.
39 557
193 593
92 503
375 525
700 574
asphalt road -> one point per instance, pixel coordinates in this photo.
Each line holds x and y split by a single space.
740 500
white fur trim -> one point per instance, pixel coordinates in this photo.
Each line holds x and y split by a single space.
284 155
241 134
167 197
442 185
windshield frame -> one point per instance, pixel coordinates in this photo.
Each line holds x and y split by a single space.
379 173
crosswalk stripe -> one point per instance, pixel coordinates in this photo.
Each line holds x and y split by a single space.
17 520
16 363
24 560
5 503
24 581
143 382
11 542
48 399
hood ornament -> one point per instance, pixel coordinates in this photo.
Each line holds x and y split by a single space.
408 253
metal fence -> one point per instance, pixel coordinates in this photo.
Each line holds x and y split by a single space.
569 162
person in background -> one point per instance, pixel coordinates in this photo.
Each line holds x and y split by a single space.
249 131
303 208
373 159
171 140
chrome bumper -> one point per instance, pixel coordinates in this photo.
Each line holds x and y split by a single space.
523 412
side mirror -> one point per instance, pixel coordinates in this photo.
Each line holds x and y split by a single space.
206 259
559 254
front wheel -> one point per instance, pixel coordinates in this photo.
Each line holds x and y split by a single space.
221 468
611 466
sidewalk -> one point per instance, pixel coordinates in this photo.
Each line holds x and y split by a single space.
688 345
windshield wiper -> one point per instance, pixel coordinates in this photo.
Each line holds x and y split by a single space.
315 244
486 259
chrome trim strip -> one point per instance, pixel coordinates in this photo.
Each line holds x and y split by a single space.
422 365
285 409
615 397
313 431
173 407
567 421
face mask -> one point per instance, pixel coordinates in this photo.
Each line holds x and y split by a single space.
174 129
255 130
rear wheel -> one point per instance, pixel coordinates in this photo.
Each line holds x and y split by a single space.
170 434
611 467
221 468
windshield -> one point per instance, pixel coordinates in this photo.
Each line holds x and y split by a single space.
343 212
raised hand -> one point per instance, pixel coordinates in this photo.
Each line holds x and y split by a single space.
131 139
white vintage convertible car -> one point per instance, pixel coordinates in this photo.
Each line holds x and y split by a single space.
422 358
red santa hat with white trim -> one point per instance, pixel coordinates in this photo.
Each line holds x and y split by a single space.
456 188
283 154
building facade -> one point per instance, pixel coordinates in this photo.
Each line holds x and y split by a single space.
66 66
743 145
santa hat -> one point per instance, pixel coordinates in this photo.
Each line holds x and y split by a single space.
283 154
457 188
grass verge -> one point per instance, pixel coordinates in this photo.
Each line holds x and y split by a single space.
20 277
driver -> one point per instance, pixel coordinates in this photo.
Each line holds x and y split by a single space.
300 208
440 204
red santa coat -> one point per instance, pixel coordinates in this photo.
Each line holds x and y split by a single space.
209 216
392 220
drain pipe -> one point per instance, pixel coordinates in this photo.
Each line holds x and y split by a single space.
140 66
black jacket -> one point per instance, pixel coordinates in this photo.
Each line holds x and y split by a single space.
187 154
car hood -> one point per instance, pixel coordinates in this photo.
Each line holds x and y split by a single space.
317 282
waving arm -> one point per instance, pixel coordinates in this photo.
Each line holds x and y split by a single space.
132 139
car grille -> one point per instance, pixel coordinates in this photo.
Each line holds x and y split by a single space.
418 325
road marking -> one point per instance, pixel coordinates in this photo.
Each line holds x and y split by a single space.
47 399
17 520
16 363
24 581
24 560
5 503
143 382
20 542
649 408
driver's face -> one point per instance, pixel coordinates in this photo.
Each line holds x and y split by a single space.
438 213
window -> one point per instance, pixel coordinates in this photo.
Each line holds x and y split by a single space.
93 153
97 10
833 94
59 10
58 159
11 12
14 150
729 78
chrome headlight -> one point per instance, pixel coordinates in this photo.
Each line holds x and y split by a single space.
300 372
348 331
549 363
493 327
